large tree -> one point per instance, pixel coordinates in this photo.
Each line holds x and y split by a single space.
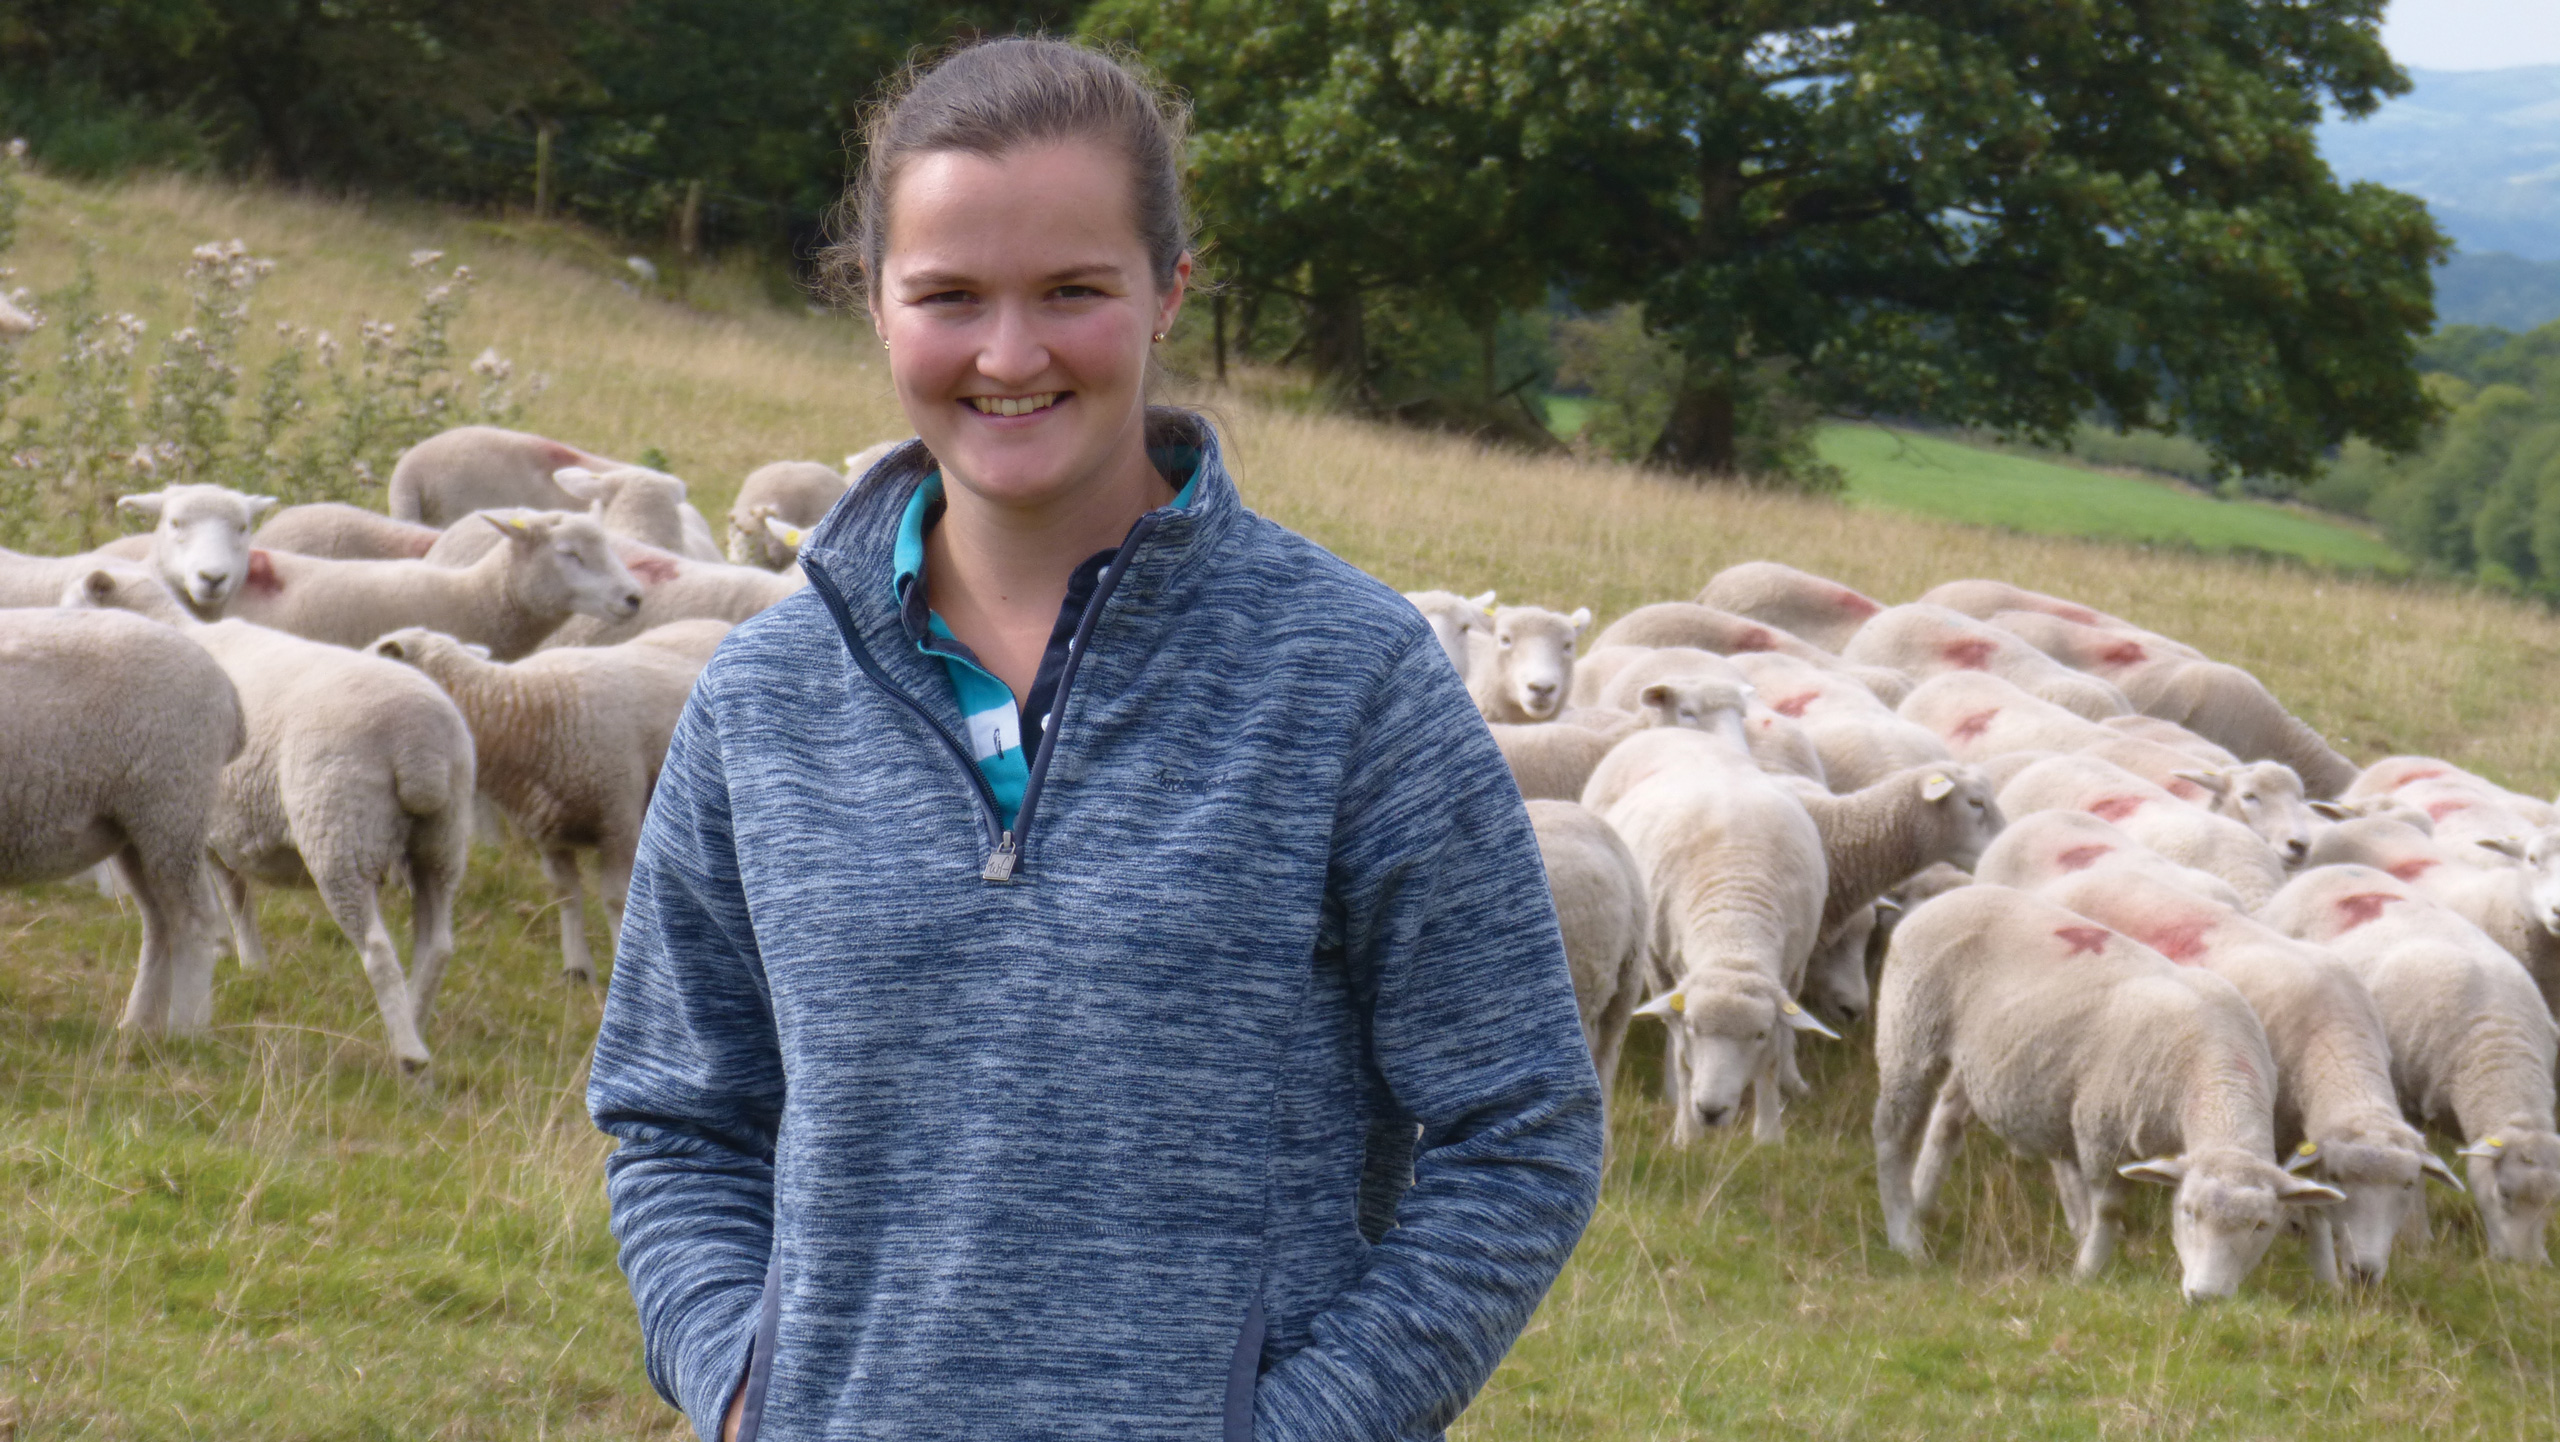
2010 213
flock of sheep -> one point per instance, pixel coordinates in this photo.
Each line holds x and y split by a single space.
2106 895
324 699
2129 913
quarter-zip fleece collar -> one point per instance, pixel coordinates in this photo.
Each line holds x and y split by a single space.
1136 594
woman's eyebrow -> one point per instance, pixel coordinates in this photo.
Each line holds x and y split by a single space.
955 280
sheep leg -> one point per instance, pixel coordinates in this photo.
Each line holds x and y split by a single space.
2074 1191
433 880
1948 1118
146 1007
357 905
613 882
1768 1094
2105 1193
1903 1108
2321 1243
241 910
1675 1080
560 868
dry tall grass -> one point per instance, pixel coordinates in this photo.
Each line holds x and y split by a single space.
268 1232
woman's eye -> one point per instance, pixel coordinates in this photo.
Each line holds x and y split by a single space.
946 297
1075 292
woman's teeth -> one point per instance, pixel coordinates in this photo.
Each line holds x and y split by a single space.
1012 405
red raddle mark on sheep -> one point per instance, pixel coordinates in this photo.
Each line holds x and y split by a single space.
2115 808
556 454
262 579
1972 653
2411 870
1754 638
2362 907
2423 774
2081 858
1857 605
653 570
2183 789
1794 705
2443 809
2124 653
2090 939
1974 725
2180 941
2082 615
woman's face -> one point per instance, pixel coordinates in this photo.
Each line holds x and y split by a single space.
1017 303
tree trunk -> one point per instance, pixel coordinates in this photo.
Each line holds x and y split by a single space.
1337 342
542 170
689 221
1699 436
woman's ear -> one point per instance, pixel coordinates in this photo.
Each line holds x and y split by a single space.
1170 305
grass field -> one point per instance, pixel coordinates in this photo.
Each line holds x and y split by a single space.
265 1232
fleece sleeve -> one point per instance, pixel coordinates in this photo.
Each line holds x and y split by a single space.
687 1077
1444 906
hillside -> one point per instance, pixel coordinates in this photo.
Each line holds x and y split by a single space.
267 1232
2481 148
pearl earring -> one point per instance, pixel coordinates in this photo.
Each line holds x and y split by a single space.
1159 336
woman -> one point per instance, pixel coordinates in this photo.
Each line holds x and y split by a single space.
1054 926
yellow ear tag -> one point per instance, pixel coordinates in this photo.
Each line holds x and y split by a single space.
1790 1008
1680 1002
2499 1143
2307 1149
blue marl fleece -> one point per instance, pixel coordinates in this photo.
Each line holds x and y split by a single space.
1042 1157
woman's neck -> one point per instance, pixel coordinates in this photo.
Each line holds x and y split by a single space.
998 573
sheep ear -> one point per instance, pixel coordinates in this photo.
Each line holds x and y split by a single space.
1658 694
476 649
2167 1171
2216 782
1666 1006
2489 1150
98 588
2434 1166
783 531
579 482
2506 846
1938 787
2305 1157
148 504
1581 619
1483 602
1803 1020
2300 1192
2332 811
389 649
515 525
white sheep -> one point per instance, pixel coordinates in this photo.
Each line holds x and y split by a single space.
198 543
1986 600
118 731
2173 736
544 568
2485 885
678 588
2472 1045
1857 736
2264 796
1820 610
2043 847
1604 915
343 532
2092 1051
570 742
2185 834
2220 702
798 494
450 474
2337 1117
1734 868
355 769
645 505
1684 623
1877 838
1979 716
1454 620
1779 745
1522 670
1552 759
1926 641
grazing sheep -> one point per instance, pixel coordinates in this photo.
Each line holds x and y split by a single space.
1926 641
2483 885
796 493
1522 670
1607 720
2337 1117
1778 744
2222 703
1855 734
2043 847
1875 839
2443 780
353 768
450 474
2185 834
1734 867
1553 759
677 588
2173 736
1683 623
570 745
2090 1050
1979 716
2472 1046
644 505
1595 668
344 533
1605 917
2264 796
118 731
1821 611
1999 602
1455 618
547 567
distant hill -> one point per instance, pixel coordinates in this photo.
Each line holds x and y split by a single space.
2481 148
2507 291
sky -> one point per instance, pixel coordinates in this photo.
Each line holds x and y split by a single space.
2472 34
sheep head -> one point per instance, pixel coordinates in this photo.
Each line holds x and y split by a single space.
200 540
2515 1183
2382 1181
1533 658
2230 1205
1728 1031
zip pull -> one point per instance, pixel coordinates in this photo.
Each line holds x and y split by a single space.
1000 865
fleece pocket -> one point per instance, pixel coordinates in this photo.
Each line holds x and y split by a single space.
1244 1373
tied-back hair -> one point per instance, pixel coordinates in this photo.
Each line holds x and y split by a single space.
994 97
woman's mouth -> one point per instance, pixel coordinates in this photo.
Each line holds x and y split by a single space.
1012 405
